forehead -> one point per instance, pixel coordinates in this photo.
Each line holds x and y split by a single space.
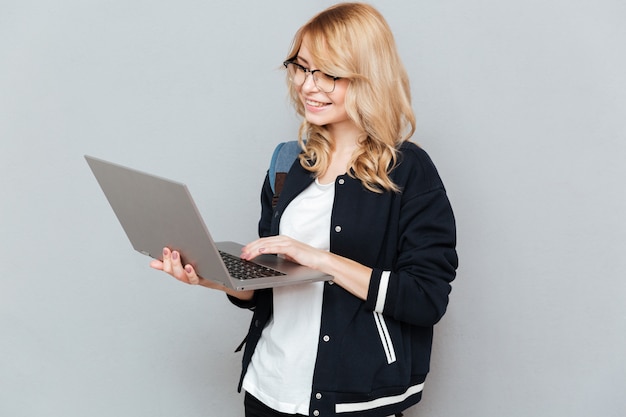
304 53
312 53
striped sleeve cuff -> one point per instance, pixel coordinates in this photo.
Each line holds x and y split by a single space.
382 291
378 290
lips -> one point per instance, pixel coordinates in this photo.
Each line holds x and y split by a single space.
316 104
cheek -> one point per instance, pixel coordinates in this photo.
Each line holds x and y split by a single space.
340 103
339 95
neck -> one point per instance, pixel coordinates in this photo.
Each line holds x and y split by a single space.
345 137
345 142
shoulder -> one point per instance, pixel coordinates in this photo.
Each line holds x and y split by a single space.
413 153
415 169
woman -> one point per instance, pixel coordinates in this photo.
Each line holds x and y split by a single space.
362 204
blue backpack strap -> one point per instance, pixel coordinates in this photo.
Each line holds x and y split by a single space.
282 159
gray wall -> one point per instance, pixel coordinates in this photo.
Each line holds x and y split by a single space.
520 103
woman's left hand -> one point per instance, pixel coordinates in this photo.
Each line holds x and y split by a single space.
291 249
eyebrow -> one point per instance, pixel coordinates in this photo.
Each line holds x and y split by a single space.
304 61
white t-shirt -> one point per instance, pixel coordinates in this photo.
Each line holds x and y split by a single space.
281 371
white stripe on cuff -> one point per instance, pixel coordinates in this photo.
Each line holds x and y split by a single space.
382 291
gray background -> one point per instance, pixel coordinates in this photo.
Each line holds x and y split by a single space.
520 103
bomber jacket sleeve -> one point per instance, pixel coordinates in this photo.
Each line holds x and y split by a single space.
264 230
416 288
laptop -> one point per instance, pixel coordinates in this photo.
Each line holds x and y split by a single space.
156 212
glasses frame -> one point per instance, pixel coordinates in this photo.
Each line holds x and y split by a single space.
308 71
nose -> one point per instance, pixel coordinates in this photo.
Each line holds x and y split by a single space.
309 84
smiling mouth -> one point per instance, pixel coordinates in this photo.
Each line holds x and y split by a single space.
314 103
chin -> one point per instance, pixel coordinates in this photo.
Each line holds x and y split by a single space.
316 120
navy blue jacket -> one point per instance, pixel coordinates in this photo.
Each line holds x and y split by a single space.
373 355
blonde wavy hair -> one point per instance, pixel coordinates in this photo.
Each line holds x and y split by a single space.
353 41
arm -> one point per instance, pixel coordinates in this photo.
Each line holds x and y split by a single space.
416 288
349 274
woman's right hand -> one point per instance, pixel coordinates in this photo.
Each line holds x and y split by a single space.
172 265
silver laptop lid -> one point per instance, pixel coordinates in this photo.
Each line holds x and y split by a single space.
156 213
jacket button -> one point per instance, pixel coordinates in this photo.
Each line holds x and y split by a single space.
318 396
316 413
341 181
337 229
326 338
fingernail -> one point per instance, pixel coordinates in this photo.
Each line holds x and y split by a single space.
175 256
165 252
188 269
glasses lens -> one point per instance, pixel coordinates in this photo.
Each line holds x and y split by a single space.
296 73
324 82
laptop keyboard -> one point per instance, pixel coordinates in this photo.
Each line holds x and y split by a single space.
242 269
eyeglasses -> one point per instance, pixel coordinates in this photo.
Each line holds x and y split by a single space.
298 74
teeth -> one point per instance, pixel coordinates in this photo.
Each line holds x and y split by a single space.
315 103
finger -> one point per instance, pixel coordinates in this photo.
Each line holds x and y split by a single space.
156 264
254 251
249 251
250 247
289 258
167 262
274 244
191 275
177 267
